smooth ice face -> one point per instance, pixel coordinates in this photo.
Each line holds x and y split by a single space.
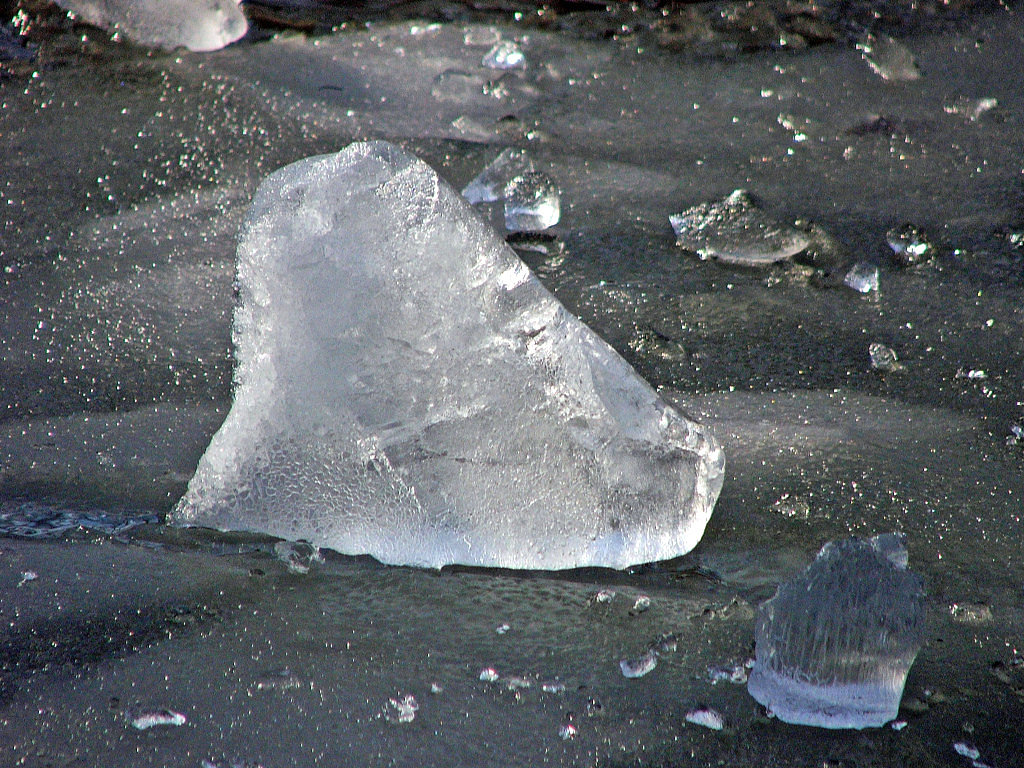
834 645
734 230
199 25
406 388
489 185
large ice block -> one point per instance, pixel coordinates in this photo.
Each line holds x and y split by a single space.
835 644
406 388
199 25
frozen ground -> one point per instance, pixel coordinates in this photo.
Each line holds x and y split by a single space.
124 178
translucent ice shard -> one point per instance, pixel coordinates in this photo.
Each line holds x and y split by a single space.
489 185
199 25
736 231
835 644
531 203
888 58
406 388
505 55
862 277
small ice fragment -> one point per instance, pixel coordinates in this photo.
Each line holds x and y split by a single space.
971 613
706 717
489 185
972 109
402 710
604 596
642 603
567 731
515 683
278 680
977 375
489 675
909 245
205 25
883 358
734 230
1016 435
553 686
505 55
668 643
862 277
531 203
889 59
967 750
898 725
730 673
835 644
502 629
26 577
298 556
639 667
436 688
152 718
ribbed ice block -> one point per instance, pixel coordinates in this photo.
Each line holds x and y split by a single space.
834 645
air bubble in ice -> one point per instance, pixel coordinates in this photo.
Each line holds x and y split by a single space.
909 244
862 277
531 203
835 644
505 55
640 666
734 230
489 185
883 358
199 25
706 717
154 718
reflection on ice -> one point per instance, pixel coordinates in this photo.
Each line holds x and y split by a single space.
835 644
531 203
406 388
489 185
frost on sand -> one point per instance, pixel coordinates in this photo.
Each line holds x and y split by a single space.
406 388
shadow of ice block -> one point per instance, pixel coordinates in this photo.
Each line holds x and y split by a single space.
835 644
406 388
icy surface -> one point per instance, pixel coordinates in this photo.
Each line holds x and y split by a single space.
199 25
734 230
405 388
835 644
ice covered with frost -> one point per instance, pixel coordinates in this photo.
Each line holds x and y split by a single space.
835 644
199 25
406 388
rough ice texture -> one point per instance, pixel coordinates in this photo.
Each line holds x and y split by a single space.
406 388
199 25
834 645
735 231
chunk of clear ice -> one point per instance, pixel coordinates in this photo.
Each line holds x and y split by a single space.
199 25
406 388
489 185
531 203
734 230
835 644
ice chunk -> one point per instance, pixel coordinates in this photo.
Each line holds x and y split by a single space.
736 231
888 58
862 277
883 358
707 717
199 25
406 388
835 644
909 245
505 55
489 185
531 203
